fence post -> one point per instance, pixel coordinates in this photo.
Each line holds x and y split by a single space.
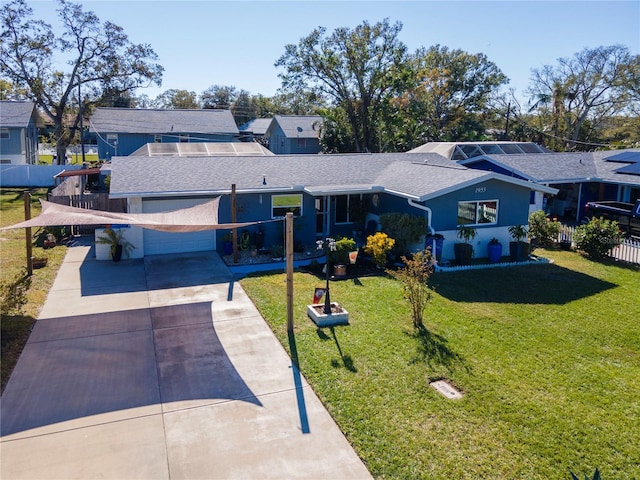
27 232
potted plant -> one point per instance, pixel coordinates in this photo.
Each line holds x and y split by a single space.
464 251
227 244
340 256
114 237
494 250
518 248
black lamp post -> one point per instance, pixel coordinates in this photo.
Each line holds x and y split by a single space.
329 245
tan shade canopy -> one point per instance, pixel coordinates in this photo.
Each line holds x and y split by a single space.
193 219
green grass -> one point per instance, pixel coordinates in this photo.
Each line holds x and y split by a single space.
74 159
15 329
548 358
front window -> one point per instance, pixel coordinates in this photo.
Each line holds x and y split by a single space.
474 213
283 204
4 133
183 138
157 138
346 206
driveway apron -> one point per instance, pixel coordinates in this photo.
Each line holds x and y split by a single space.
161 368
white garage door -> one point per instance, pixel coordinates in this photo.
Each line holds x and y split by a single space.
156 242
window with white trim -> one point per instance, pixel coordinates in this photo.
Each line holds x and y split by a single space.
283 204
4 133
481 212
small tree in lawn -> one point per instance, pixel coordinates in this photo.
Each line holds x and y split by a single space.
413 277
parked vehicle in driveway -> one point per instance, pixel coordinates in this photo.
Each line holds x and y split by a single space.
626 214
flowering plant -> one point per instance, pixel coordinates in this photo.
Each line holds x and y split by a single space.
378 245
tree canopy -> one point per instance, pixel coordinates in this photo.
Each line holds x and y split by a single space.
101 60
579 93
358 70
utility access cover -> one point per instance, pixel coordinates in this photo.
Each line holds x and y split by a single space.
446 389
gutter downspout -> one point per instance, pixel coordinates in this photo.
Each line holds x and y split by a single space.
429 214
426 209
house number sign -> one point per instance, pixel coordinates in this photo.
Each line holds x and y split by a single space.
481 189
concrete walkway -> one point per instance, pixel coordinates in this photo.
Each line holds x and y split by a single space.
161 369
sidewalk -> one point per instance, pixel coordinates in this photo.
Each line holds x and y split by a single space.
161 369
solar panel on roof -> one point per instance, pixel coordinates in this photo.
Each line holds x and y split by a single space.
632 169
624 157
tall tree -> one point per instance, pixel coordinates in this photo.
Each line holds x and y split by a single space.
101 58
174 99
593 85
219 96
242 108
359 70
453 88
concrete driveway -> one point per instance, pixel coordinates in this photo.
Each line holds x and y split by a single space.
161 369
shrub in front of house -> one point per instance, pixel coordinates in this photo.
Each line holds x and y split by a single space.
542 230
404 228
378 245
598 237
414 277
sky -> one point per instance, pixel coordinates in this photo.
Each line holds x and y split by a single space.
207 42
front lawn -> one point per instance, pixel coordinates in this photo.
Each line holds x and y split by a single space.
15 328
548 358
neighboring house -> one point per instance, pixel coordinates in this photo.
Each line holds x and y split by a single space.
121 131
18 133
580 177
294 134
321 190
255 130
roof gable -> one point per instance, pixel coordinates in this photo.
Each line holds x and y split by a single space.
16 113
258 126
297 126
151 121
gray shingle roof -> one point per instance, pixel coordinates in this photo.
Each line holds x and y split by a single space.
16 113
258 126
298 126
130 120
563 167
418 176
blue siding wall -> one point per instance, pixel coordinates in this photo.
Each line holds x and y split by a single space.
257 207
281 145
12 149
513 208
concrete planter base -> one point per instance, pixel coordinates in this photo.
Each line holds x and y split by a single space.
338 315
